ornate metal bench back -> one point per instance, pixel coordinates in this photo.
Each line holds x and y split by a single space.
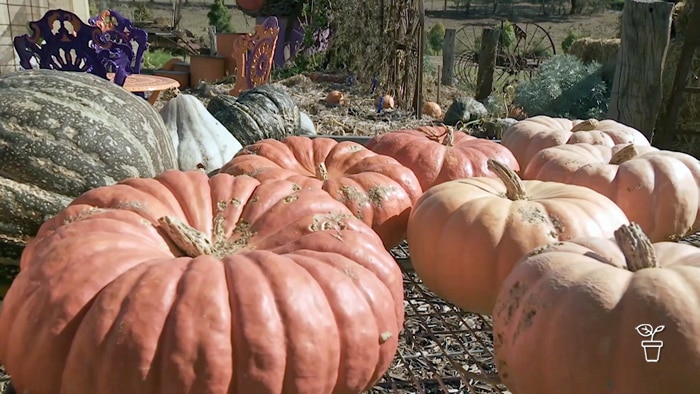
123 31
61 41
256 53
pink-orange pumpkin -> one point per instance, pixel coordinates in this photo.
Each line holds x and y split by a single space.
529 136
657 189
599 315
378 189
466 235
437 154
184 284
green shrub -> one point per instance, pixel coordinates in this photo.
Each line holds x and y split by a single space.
142 13
436 37
617 5
155 59
220 17
507 37
565 87
570 38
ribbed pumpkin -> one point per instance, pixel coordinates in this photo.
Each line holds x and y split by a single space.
201 142
597 315
183 284
63 133
529 136
466 235
266 111
659 190
376 188
439 154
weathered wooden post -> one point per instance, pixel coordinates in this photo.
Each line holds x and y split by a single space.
418 97
487 63
636 93
212 40
448 57
668 126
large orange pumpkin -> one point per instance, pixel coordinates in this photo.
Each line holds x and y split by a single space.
183 284
659 190
377 189
439 154
531 135
597 315
466 235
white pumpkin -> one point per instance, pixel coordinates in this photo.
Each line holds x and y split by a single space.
306 125
201 142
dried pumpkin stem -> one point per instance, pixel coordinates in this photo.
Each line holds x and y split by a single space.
636 246
322 172
586 125
624 154
449 137
515 189
191 241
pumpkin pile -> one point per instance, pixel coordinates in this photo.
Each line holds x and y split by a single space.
274 274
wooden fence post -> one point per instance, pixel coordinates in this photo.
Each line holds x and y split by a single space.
448 57
212 40
636 93
487 63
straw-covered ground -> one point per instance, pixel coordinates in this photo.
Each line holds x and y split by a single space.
356 116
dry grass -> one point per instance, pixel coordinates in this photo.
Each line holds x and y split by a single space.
600 50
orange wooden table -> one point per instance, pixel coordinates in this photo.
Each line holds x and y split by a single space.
147 83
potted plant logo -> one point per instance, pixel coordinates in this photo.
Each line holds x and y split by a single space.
652 348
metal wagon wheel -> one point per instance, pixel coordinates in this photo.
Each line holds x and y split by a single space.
522 48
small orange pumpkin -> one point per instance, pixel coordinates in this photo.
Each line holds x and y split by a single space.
432 109
388 102
587 315
335 97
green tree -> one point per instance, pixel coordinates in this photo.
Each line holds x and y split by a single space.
220 17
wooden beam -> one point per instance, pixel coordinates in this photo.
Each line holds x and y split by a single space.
418 97
636 94
487 63
667 126
448 57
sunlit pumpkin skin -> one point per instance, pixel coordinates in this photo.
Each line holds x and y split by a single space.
567 316
437 154
288 293
657 189
466 235
335 97
379 190
529 136
432 109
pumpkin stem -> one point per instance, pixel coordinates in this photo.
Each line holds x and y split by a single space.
190 240
515 189
624 154
449 137
322 172
586 125
636 246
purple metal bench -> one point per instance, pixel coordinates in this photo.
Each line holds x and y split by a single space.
119 29
61 41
